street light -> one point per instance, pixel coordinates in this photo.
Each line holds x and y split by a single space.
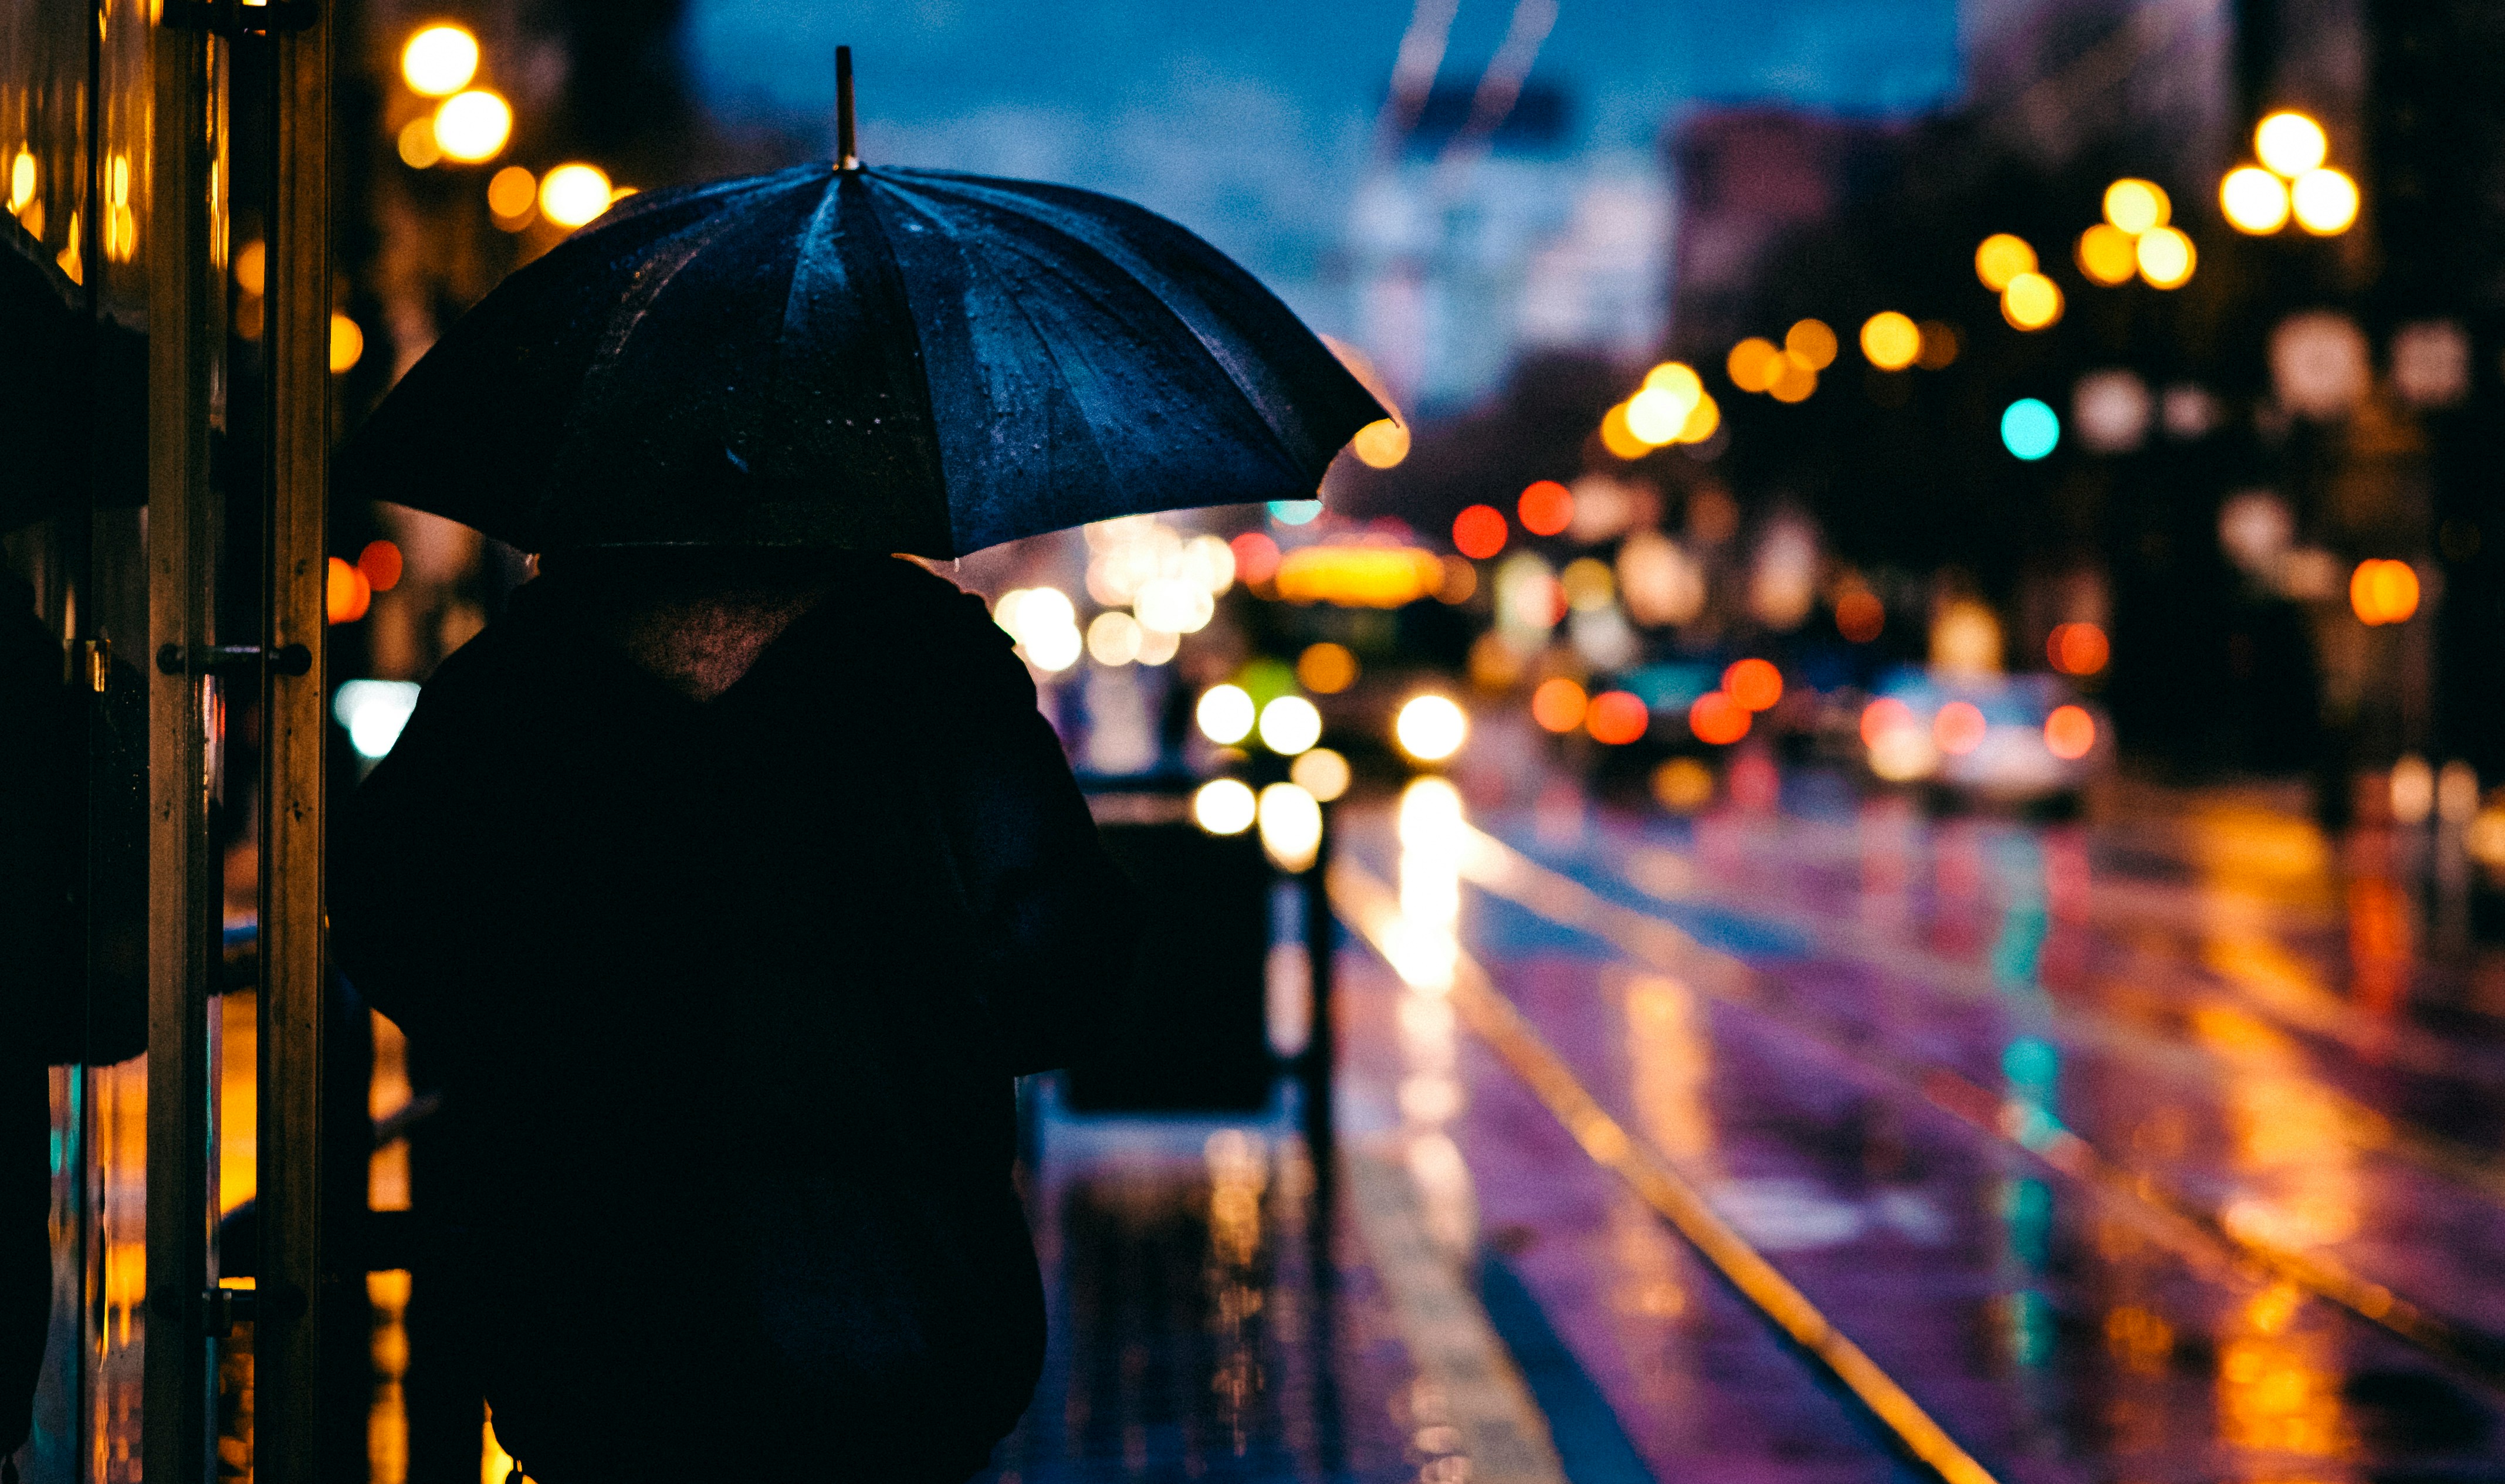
2325 202
473 126
2290 143
2254 200
2292 180
440 60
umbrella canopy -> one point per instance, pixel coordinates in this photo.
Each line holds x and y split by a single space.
880 359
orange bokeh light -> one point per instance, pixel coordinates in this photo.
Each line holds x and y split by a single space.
2069 732
380 562
1883 716
346 593
1479 532
2077 649
1617 718
1718 719
1755 684
1859 616
2383 592
1547 508
1959 728
1257 557
1558 705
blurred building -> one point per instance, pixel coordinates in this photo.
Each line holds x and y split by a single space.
1469 251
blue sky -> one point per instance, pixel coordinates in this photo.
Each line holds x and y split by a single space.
1249 122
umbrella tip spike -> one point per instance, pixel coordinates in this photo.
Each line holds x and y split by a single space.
845 158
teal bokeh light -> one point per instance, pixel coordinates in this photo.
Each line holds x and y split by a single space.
2030 429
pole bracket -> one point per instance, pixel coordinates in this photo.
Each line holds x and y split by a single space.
233 659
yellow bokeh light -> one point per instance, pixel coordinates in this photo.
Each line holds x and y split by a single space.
513 193
1225 807
2031 301
571 195
1320 772
473 126
2255 200
1289 724
2325 202
1890 340
417 147
1812 344
1655 416
1794 381
2001 258
1754 364
347 343
1430 727
1226 714
2136 207
21 182
1678 378
251 265
2166 258
1327 668
2290 143
438 61
1291 826
1381 443
1619 439
2106 255
1701 420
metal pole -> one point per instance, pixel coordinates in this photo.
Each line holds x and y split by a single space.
300 1260
184 247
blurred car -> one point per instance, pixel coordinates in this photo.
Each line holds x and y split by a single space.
2017 740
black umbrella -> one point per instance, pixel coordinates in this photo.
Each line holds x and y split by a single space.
881 359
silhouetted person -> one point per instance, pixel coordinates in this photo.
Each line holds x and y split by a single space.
728 890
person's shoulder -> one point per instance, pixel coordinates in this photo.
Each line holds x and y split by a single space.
928 601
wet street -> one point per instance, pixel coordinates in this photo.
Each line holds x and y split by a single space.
1827 1141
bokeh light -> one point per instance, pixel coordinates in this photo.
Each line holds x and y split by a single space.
473 126
2325 202
1546 507
374 712
2383 592
1859 616
2000 258
1718 719
2166 258
1755 684
574 193
1619 439
1558 705
1890 340
346 593
1701 419
1479 532
513 193
1883 716
1617 718
2031 301
1812 344
1589 585
1794 379
2136 207
1327 668
2069 732
1115 638
1683 785
381 563
2255 200
2290 143
438 61
1320 772
1430 727
1754 364
1226 714
1291 826
1225 807
1959 728
1381 443
1257 557
2107 255
417 147
2030 429
347 343
1289 724
1940 345
2077 649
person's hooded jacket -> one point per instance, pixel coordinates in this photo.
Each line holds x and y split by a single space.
724 999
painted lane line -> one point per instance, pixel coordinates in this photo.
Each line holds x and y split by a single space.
1368 906
2197 1234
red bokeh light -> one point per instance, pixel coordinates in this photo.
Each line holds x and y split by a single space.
1558 705
2069 732
346 593
1617 718
1755 684
1257 557
1883 716
1959 728
1859 616
1479 532
2077 649
1547 508
380 562
1718 719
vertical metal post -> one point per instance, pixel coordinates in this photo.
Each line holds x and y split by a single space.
185 295
301 1258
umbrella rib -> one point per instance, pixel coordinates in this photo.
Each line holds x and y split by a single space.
1079 245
